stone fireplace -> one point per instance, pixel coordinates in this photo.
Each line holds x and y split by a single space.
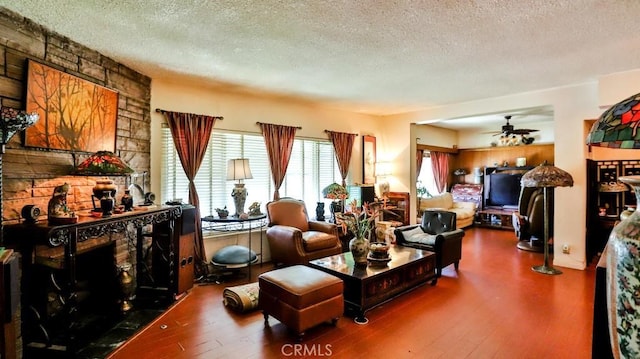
31 174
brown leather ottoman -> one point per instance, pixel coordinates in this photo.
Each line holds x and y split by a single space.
300 297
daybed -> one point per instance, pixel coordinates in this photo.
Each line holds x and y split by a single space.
465 211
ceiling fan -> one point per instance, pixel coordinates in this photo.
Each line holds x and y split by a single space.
508 133
508 129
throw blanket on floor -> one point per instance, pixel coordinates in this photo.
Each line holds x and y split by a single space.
242 298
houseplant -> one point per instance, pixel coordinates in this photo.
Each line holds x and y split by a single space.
360 222
222 212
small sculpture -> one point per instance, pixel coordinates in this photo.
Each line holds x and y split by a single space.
127 200
320 212
58 202
57 210
254 209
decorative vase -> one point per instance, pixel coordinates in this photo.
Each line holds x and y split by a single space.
127 286
320 212
107 204
359 248
239 195
623 281
104 185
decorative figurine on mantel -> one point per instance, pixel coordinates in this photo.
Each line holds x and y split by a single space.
57 211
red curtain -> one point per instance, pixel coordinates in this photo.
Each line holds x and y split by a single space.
279 142
440 166
191 135
342 146
419 157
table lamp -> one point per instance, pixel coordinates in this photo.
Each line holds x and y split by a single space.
103 163
238 169
617 127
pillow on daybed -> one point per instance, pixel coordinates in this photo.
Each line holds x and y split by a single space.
417 235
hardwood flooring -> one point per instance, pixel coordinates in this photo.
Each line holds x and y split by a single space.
494 307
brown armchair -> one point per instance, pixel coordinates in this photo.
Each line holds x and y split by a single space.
437 233
294 239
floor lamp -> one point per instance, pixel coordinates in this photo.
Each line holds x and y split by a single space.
547 177
11 121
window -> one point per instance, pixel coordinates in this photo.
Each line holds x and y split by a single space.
311 168
426 178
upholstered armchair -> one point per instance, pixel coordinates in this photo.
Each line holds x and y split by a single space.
294 239
437 233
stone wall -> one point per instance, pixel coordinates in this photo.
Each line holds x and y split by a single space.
30 174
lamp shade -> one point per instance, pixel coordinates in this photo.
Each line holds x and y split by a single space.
383 169
103 163
238 169
617 127
546 175
13 120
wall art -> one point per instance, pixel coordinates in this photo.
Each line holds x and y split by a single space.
368 159
75 114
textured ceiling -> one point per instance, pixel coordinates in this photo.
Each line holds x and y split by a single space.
379 56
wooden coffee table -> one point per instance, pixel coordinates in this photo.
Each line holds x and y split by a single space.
369 286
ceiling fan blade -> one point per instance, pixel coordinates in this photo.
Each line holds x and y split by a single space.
522 131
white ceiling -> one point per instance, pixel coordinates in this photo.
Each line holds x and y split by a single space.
376 56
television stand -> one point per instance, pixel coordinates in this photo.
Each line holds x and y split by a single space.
499 218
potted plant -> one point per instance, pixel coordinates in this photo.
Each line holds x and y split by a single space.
360 223
222 212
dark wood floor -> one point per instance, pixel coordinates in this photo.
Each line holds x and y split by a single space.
494 307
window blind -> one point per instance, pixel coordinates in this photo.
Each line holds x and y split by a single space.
311 168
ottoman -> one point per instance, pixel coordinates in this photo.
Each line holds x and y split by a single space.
300 297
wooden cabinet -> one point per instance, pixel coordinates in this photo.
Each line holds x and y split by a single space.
397 207
495 218
606 199
183 242
9 297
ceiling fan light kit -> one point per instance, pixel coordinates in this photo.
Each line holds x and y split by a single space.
508 135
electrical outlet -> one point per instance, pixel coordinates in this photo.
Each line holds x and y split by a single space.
566 249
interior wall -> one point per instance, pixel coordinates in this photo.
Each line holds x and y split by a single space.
572 104
242 111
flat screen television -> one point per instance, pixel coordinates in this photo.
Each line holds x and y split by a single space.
504 189
361 193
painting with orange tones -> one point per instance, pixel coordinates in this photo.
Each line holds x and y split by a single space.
75 114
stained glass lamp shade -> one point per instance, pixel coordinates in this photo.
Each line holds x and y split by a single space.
103 163
617 127
14 120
